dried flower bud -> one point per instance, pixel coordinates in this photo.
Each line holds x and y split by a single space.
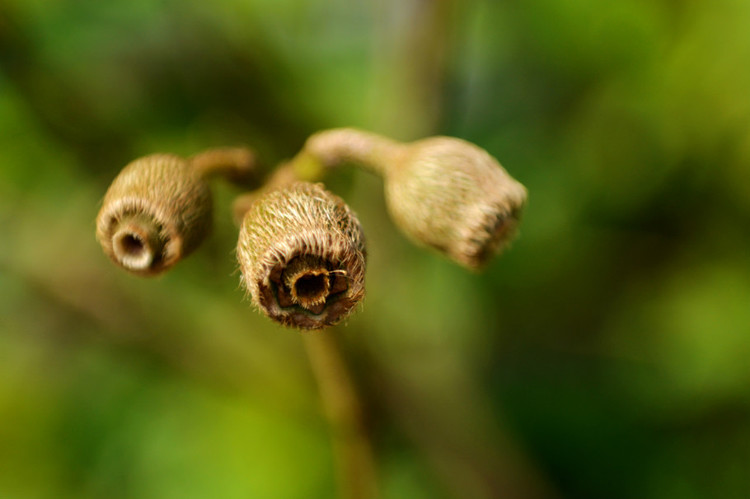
156 212
442 191
302 255
452 195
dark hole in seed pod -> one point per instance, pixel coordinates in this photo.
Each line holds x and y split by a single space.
131 244
311 286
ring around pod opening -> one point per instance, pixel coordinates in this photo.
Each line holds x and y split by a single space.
302 255
156 211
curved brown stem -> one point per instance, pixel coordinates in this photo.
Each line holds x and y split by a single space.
352 447
329 149
238 165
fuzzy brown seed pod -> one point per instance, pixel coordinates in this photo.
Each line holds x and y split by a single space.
452 195
443 192
302 255
157 210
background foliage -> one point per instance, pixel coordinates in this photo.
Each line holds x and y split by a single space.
605 355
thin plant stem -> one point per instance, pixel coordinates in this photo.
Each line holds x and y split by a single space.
238 165
353 450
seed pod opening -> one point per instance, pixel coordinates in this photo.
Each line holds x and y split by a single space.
453 196
302 255
157 210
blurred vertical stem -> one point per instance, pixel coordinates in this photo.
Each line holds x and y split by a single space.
352 447
413 63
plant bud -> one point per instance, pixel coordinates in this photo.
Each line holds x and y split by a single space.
302 255
453 196
157 210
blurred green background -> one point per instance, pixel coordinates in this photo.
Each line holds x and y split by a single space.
605 355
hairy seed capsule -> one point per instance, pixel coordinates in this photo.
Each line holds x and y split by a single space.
443 192
302 255
156 212
452 195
